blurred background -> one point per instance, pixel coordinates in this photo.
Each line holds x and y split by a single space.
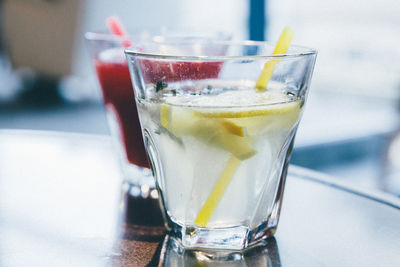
351 126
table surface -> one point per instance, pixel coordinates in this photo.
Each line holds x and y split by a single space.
62 204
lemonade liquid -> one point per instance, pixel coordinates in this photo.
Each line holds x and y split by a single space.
195 138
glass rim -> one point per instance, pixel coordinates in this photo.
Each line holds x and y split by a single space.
104 36
304 52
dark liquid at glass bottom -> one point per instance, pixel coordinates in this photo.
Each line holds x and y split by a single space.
142 209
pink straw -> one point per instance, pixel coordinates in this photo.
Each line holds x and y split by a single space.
116 28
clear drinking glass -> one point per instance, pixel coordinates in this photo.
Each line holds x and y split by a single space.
112 71
219 148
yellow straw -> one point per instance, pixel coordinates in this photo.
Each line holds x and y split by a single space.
218 191
281 48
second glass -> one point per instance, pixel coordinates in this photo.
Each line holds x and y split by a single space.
112 71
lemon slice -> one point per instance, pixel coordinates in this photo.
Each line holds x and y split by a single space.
260 120
185 119
211 132
256 111
218 132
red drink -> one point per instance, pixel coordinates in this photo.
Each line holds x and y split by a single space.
180 71
119 99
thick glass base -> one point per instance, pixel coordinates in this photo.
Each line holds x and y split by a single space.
224 239
266 254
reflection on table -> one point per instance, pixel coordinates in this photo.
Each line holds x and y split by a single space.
266 255
61 205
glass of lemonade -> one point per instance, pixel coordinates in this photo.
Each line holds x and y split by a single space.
218 147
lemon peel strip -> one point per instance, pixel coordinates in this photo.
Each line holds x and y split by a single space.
218 191
281 48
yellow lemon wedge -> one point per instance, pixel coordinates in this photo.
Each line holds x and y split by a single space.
218 132
280 108
185 119
259 119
